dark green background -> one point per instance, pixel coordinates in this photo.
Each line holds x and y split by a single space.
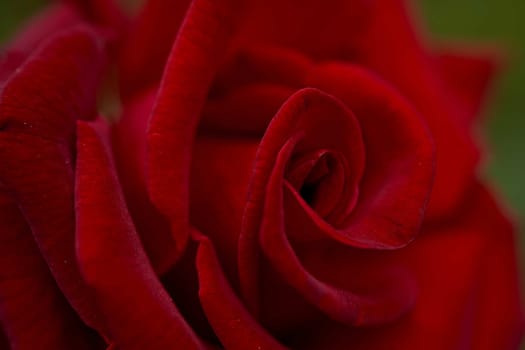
478 21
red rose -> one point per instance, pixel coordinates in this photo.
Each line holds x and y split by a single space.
282 175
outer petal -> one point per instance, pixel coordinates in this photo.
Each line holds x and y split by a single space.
26 284
102 12
311 26
38 108
191 67
469 76
53 19
138 312
45 24
500 316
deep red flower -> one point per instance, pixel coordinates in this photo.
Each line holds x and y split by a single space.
281 174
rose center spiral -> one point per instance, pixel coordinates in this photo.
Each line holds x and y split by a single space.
320 177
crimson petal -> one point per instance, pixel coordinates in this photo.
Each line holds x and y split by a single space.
148 44
468 75
137 310
38 108
102 12
51 20
234 326
191 67
27 284
129 147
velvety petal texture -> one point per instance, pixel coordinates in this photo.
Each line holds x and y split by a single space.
51 20
129 147
39 105
450 264
468 74
143 59
26 284
231 321
190 70
136 309
105 13
277 175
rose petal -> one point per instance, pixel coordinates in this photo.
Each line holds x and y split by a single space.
9 62
129 147
103 12
261 65
250 88
38 108
234 326
148 44
27 284
469 76
217 210
137 310
246 111
309 26
191 66
54 18
46 23
501 315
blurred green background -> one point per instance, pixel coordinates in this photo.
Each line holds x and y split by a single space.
500 22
